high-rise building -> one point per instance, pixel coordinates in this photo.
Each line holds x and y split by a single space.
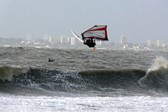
123 40
50 39
72 41
61 41
158 43
148 42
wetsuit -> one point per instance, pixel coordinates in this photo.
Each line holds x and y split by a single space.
90 42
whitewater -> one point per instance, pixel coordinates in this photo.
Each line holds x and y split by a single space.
82 80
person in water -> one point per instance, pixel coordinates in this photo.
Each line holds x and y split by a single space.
50 60
89 42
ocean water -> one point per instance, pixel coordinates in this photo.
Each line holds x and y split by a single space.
83 80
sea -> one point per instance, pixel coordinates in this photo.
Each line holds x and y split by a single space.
83 80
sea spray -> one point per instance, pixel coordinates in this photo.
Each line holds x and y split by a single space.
7 72
157 75
159 63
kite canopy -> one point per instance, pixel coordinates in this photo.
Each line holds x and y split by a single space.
98 32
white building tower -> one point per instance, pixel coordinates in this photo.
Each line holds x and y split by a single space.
148 42
158 43
123 40
73 42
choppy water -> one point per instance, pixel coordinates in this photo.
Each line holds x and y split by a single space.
82 80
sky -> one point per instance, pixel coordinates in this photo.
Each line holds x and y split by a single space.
138 20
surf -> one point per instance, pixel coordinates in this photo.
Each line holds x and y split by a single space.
7 72
47 81
156 76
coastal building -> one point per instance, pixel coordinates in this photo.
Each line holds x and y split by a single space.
123 40
148 43
73 42
50 39
158 43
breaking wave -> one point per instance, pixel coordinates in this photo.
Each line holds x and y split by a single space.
43 80
18 80
7 72
157 75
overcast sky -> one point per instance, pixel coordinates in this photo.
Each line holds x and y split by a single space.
138 20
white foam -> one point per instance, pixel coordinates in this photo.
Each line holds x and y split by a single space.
159 62
7 72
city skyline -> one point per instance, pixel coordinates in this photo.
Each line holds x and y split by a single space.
123 39
138 20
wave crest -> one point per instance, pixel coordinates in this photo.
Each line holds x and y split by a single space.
157 75
159 63
7 72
